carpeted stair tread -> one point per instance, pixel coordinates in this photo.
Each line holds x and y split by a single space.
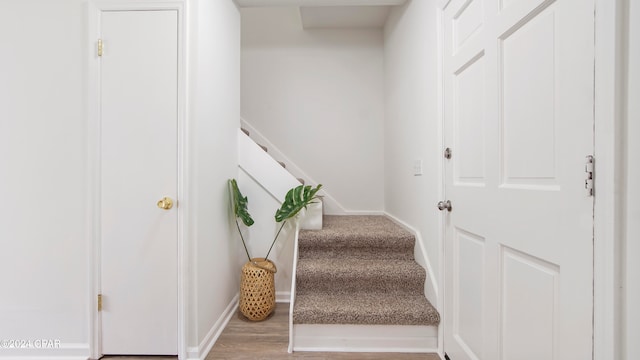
363 237
362 253
346 276
364 308
363 228
360 270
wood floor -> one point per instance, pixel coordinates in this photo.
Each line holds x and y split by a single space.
243 339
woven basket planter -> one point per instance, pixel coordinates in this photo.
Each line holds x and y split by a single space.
257 289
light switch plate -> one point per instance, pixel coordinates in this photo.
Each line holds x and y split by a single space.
417 167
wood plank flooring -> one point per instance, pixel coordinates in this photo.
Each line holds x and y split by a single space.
269 339
243 339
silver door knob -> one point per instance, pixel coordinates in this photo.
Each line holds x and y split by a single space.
444 205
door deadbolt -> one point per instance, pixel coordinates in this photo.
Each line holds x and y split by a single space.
165 203
444 205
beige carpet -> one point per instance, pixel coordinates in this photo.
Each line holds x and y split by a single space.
360 270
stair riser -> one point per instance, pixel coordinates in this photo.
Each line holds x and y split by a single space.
365 338
350 283
360 253
363 308
356 242
341 286
357 318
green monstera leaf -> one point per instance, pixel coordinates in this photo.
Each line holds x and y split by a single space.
239 203
296 199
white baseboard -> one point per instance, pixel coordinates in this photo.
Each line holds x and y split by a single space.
43 357
365 338
201 352
431 285
283 296
363 212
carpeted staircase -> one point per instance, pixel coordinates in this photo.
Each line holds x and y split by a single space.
360 270
357 285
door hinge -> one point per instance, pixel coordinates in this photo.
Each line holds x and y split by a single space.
99 47
447 153
99 302
589 169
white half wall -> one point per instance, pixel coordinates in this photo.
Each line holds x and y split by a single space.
43 239
318 95
412 124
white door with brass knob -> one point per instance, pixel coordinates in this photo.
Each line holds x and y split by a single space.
138 181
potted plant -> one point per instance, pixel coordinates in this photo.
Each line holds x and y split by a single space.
257 289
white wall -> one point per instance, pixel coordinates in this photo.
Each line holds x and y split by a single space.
214 119
44 237
318 95
411 121
43 245
631 318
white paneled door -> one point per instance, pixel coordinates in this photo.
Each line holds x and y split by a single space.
138 156
518 106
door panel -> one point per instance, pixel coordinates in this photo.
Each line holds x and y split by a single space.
138 168
469 274
528 112
466 22
469 124
518 107
529 296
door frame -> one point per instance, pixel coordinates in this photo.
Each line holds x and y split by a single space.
610 73
94 9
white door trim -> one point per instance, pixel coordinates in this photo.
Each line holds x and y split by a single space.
609 77
94 8
441 165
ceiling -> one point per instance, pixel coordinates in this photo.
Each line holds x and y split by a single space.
329 14
267 3
363 17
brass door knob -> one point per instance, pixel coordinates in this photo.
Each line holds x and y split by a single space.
165 203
